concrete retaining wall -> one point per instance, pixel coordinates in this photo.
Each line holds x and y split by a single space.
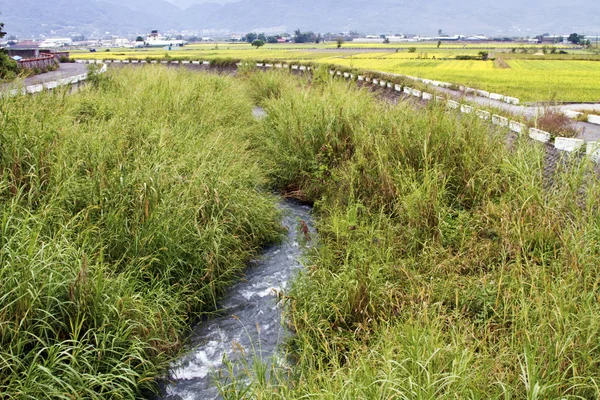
568 144
452 104
43 62
486 115
38 88
592 149
572 114
517 127
539 135
594 119
498 120
466 109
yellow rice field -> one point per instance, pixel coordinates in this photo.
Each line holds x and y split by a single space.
540 79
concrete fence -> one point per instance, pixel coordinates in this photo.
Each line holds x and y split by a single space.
539 135
38 88
517 127
466 109
43 62
572 114
560 143
486 115
499 120
452 104
594 119
568 144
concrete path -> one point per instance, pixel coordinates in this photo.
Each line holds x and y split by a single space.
66 70
587 131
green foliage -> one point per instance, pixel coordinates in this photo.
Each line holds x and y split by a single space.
467 57
575 38
125 211
446 268
258 43
304 37
412 49
8 67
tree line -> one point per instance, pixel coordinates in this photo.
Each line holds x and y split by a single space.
297 37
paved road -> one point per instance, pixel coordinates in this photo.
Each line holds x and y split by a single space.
587 131
66 70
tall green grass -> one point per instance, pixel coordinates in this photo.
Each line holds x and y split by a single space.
447 267
125 210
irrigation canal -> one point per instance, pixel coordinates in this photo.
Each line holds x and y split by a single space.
250 323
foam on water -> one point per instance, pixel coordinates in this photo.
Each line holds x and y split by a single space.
250 321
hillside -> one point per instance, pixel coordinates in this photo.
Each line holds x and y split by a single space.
26 17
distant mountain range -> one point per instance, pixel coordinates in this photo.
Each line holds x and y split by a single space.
425 17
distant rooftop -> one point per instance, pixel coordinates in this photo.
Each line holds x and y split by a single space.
25 46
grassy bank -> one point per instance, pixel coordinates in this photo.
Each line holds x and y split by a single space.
125 210
448 267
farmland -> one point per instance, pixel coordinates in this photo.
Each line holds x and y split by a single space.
573 77
529 80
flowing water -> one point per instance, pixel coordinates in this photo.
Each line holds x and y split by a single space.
250 324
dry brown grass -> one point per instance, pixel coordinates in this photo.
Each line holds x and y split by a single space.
556 123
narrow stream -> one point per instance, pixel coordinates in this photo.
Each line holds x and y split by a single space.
251 318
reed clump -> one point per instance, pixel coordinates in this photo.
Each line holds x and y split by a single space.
125 211
447 267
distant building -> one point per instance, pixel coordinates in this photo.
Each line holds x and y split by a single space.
368 40
555 39
235 37
447 38
29 55
121 42
24 50
155 39
476 38
56 42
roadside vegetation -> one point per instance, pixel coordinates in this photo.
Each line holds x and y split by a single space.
8 67
125 211
447 267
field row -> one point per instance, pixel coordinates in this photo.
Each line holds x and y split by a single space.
531 80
